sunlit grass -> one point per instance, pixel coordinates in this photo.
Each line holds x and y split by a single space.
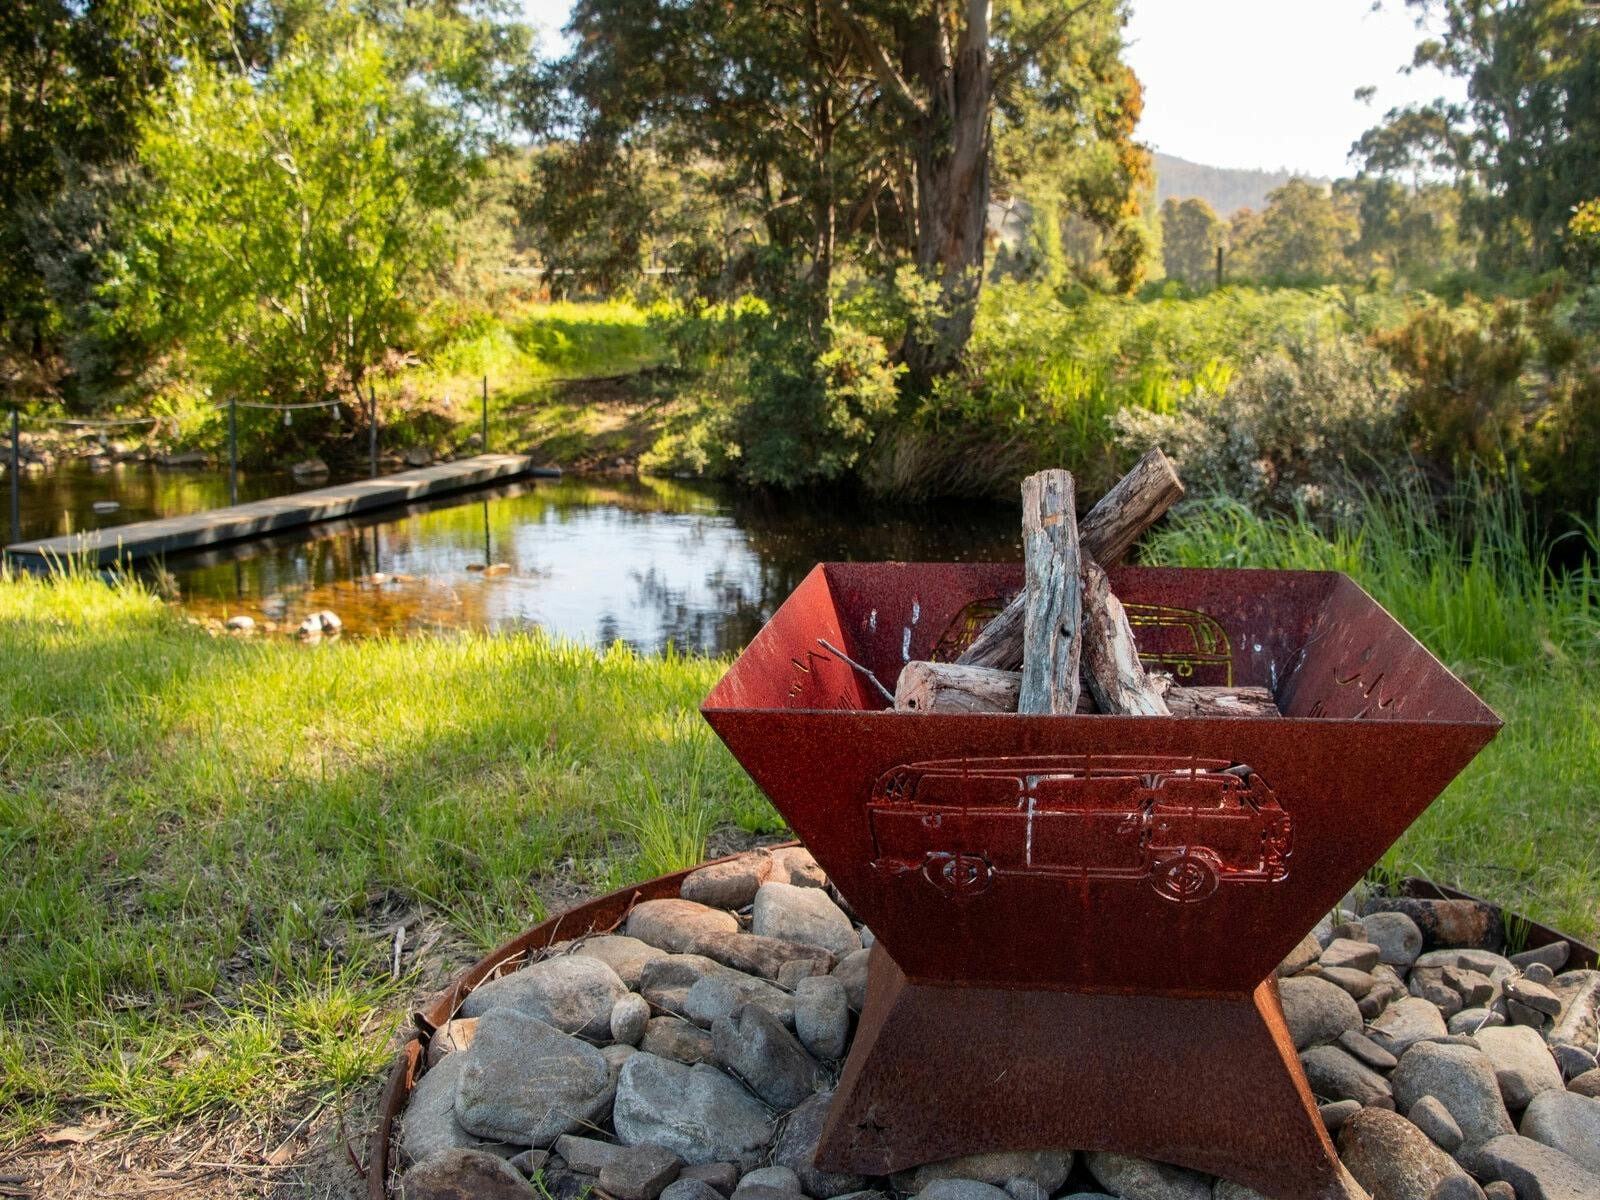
204 839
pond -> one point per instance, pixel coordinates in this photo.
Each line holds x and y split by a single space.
650 562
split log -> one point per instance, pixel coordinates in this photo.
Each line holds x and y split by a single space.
952 688
1052 636
1111 667
1105 534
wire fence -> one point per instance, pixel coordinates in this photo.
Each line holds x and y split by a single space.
231 406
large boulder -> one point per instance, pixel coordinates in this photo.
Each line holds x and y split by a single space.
573 993
1459 1077
1316 1011
1536 1171
803 914
1393 1159
1522 1063
525 1081
755 1046
428 1126
1567 1122
697 1112
678 926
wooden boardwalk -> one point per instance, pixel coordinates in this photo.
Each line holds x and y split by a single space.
172 535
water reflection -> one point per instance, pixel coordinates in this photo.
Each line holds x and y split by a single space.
648 562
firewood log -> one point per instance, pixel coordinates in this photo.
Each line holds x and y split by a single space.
1105 534
1052 595
1111 667
953 688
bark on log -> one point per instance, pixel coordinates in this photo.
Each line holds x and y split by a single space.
1052 635
1111 527
1111 667
953 688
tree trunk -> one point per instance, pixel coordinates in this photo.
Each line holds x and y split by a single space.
951 153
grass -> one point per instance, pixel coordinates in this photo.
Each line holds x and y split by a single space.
1521 825
207 843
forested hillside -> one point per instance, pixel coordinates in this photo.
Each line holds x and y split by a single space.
1225 189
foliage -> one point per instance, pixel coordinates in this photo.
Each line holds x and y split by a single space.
293 224
1289 431
1190 236
1300 237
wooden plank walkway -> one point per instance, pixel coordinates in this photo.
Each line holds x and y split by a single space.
171 535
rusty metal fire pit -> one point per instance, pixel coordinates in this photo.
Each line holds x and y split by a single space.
1078 917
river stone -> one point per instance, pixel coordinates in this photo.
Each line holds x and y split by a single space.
677 1039
1301 957
764 956
1537 1171
1335 1113
722 1176
690 1189
571 993
629 1017
791 973
530 1162
1316 1011
1485 961
639 1172
1522 1064
1397 937
678 926
1533 995
428 1126
1227 1189
1587 1084
822 1016
1539 973
1552 954
719 993
450 1037
1434 1119
626 956
1356 983
585 1155
1572 1061
755 1046
1347 952
525 1081
464 1175
730 884
615 1055
1470 1020
1579 1022
961 1189
1499 1189
1406 1022
1335 1075
803 914
1452 923
1392 1158
779 1178
797 1143
665 982
1141 1179
1569 1123
1047 1169
1462 1079
1360 1046
852 972
697 1112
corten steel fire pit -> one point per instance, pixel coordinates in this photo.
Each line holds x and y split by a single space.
1078 917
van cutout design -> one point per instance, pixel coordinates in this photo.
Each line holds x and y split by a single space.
1184 825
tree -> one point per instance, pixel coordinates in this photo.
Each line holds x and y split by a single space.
1190 235
1409 231
293 223
1301 235
1524 139
832 121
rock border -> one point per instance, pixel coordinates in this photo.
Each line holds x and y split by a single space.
607 913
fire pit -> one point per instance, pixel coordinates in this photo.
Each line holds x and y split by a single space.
1078 917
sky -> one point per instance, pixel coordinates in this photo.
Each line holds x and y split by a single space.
1250 83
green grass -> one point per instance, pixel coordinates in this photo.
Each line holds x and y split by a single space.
1521 825
206 843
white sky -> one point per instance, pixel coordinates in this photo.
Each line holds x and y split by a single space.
1248 83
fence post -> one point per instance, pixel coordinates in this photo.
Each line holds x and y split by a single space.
486 414
1219 266
16 479
233 450
372 428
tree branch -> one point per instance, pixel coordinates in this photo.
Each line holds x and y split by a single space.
894 87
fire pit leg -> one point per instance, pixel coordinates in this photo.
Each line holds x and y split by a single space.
1211 1083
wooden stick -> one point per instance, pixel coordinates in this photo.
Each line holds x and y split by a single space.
1112 526
953 688
1111 667
1052 640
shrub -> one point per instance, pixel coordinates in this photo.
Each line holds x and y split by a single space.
1288 432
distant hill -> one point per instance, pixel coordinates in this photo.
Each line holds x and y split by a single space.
1225 189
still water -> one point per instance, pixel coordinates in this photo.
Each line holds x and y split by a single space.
649 562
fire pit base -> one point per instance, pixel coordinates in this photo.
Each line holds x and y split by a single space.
1210 1082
